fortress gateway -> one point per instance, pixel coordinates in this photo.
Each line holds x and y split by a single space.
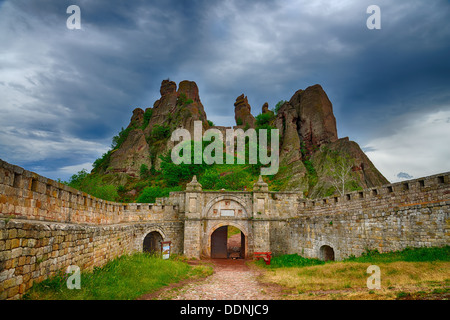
47 226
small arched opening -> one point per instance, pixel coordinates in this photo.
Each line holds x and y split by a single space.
152 242
326 253
227 242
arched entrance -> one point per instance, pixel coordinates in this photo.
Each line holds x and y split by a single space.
152 242
227 242
326 253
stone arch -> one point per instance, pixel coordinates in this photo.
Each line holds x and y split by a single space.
326 253
219 225
225 197
151 240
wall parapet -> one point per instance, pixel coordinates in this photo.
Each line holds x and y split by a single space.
421 191
27 195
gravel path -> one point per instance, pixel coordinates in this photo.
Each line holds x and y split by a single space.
231 280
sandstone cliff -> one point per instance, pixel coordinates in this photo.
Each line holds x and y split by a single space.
309 143
147 135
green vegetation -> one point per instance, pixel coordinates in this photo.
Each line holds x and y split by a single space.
183 100
370 256
124 278
278 106
149 194
291 260
231 231
147 116
93 185
160 132
264 119
419 273
408 254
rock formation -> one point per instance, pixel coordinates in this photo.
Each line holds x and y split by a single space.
307 132
306 123
146 141
242 113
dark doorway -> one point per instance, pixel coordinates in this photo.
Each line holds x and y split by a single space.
227 242
152 242
327 253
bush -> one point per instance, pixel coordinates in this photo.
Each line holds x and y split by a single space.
210 179
174 174
233 181
183 100
160 132
264 119
149 194
93 185
143 172
102 163
118 140
278 106
147 116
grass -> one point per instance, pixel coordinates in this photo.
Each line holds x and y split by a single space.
290 260
232 230
408 254
407 274
124 278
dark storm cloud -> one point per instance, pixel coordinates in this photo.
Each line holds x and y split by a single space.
65 93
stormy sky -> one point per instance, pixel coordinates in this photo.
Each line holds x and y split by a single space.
65 93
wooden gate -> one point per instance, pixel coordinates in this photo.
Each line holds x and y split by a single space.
219 243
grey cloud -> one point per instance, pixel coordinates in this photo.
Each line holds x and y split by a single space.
82 85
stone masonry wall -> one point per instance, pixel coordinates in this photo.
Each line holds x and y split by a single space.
414 213
26 195
48 226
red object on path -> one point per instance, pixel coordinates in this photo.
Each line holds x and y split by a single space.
267 256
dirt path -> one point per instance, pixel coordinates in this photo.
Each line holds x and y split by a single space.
232 279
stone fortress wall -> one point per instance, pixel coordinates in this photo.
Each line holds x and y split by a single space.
46 226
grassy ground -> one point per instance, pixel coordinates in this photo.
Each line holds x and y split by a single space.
124 278
408 274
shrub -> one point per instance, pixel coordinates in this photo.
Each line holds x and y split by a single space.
147 116
233 181
174 174
102 163
118 140
278 106
149 194
209 179
143 172
183 100
264 119
160 132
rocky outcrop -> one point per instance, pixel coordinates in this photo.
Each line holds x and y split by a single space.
308 133
242 113
316 122
306 124
131 155
143 144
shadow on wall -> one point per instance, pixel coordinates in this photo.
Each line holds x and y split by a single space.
326 253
